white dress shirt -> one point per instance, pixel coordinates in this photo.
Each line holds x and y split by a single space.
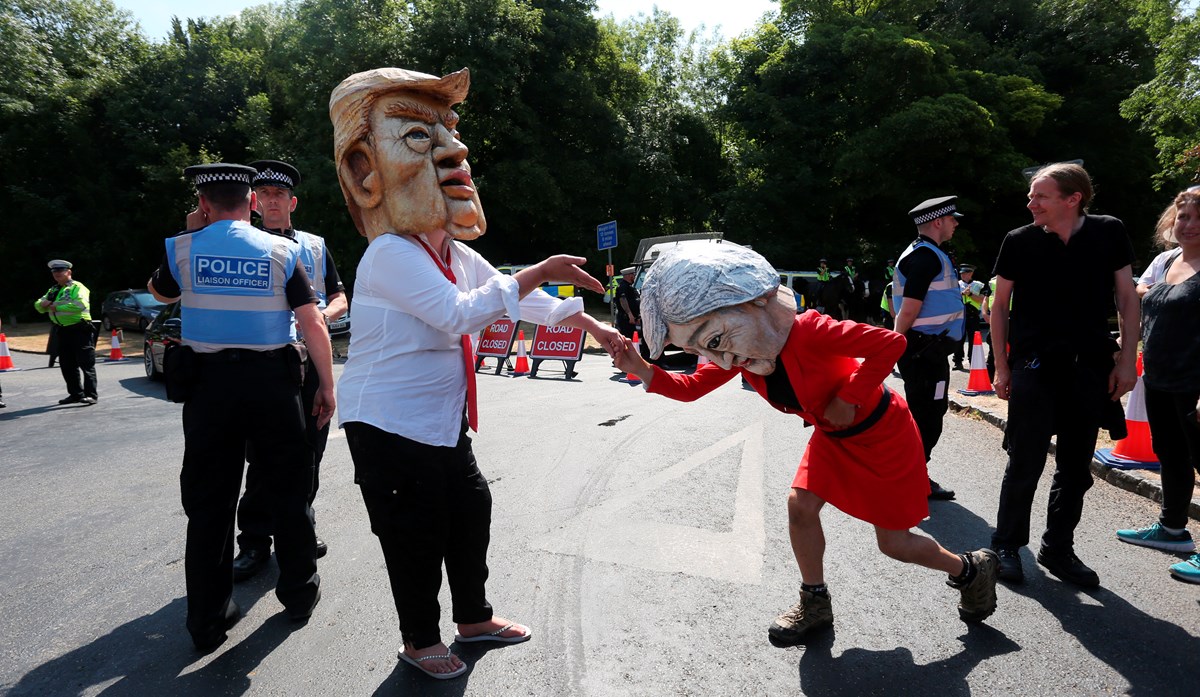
405 372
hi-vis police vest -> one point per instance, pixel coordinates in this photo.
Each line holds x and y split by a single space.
942 310
312 255
70 304
232 277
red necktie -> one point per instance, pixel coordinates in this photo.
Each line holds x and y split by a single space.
468 354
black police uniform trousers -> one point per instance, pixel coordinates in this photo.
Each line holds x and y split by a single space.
428 505
77 354
1176 436
239 397
1063 396
254 510
924 365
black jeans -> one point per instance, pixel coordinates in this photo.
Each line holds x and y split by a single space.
251 400
77 354
1176 436
922 370
427 505
255 524
1063 399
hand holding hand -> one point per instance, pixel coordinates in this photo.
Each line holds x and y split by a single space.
629 360
609 339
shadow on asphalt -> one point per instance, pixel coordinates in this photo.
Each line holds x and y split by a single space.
407 680
144 387
864 672
147 655
1152 655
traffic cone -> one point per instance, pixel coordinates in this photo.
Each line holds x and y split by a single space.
6 363
637 348
115 355
978 383
522 366
1136 450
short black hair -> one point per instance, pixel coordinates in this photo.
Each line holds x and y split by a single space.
226 196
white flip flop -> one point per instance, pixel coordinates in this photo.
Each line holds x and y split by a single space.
416 663
495 636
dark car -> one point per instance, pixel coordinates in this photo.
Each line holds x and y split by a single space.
163 330
132 308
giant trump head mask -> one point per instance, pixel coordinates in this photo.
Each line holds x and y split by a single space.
399 161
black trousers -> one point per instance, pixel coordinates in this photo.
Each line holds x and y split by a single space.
254 517
77 354
1063 399
1176 435
253 399
926 375
428 505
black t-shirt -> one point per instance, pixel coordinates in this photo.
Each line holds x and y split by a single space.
919 269
631 295
1063 293
298 288
1170 325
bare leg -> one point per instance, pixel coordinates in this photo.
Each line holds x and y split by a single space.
906 546
807 535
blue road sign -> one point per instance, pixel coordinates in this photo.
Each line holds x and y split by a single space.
606 235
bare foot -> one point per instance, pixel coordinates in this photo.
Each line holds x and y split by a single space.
436 665
516 631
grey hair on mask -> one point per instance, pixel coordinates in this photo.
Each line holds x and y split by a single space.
688 281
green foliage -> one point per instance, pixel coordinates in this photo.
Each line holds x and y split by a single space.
809 136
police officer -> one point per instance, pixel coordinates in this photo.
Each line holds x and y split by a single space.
68 304
238 374
929 313
273 188
628 305
972 297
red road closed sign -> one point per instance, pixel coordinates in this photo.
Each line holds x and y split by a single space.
557 343
496 340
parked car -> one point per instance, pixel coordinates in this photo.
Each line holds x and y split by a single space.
131 308
166 328
163 330
341 325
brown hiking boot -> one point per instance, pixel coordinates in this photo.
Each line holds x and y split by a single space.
979 596
813 613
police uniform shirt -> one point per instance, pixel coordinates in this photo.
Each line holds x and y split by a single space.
919 269
298 288
333 282
1063 293
632 296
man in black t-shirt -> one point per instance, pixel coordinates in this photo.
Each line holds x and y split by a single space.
1060 376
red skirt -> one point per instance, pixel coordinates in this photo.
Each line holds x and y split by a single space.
878 475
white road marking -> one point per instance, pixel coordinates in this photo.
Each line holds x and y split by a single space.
607 532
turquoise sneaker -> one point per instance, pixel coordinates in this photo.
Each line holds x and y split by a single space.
1187 570
1158 538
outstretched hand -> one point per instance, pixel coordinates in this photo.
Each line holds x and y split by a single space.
564 268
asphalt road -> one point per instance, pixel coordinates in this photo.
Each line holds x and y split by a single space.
643 540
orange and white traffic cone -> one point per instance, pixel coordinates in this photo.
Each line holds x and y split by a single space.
115 355
1136 450
6 362
978 383
522 365
637 348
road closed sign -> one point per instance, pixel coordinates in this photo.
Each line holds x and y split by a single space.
497 338
557 343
